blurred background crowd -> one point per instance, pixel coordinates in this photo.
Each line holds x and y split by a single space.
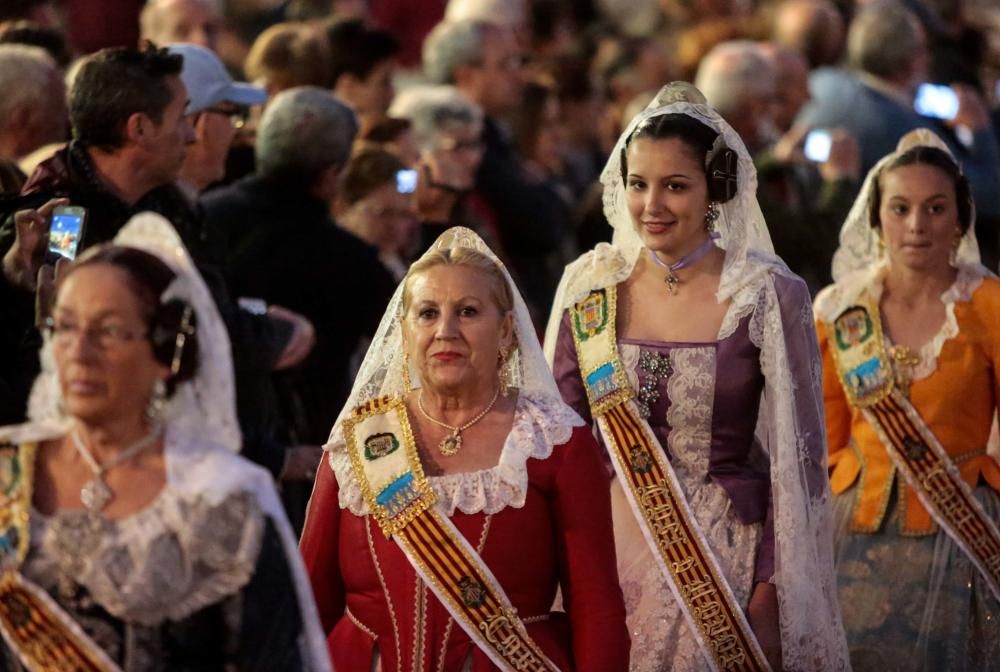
365 128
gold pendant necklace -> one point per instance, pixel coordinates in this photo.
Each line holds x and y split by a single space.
452 443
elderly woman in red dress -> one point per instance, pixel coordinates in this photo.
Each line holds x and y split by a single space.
460 492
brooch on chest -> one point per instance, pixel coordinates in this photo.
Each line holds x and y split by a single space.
657 368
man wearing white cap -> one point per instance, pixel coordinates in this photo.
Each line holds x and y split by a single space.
217 107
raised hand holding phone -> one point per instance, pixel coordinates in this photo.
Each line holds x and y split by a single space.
66 230
937 101
817 145
31 237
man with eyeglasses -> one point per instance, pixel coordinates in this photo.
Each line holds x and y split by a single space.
217 108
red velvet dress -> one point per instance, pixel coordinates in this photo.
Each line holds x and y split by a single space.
370 597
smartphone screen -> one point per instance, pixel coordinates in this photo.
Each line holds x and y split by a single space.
406 181
936 101
817 147
66 230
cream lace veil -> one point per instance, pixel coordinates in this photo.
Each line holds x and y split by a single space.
381 372
860 259
859 248
791 426
202 436
860 263
740 225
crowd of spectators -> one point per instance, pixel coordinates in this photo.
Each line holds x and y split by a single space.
367 128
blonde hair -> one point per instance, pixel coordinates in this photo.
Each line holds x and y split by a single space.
462 256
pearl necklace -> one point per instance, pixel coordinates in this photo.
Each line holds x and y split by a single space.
452 443
95 493
672 280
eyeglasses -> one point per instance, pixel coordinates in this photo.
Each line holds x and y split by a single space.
105 336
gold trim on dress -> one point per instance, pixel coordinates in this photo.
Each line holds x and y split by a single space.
914 450
681 550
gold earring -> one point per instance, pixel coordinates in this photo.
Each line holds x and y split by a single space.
407 384
502 374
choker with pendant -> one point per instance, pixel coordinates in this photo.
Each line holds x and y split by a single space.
672 280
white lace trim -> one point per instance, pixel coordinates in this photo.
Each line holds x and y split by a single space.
169 560
660 635
540 423
833 300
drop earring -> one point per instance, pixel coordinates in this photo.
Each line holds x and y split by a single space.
711 216
501 370
156 404
407 384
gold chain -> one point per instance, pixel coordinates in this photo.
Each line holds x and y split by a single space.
452 443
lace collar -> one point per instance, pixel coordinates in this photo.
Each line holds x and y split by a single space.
836 298
174 557
540 423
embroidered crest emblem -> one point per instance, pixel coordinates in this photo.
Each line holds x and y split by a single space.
601 382
591 315
863 364
853 327
642 461
915 448
398 495
380 445
473 593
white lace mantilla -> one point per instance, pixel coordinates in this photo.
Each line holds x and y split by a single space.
833 300
540 424
168 561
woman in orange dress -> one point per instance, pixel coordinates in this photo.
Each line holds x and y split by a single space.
912 597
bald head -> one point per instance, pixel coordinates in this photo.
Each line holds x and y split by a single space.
791 72
813 27
739 82
188 21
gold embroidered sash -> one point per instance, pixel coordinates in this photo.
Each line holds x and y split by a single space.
656 497
37 630
866 373
385 462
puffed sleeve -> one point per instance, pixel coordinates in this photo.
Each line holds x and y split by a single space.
838 410
587 563
319 546
566 369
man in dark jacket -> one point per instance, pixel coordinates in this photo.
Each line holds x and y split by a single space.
130 129
284 248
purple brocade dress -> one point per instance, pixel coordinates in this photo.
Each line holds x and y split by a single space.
702 402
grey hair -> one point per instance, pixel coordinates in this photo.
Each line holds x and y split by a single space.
452 44
730 72
304 130
883 40
26 75
433 109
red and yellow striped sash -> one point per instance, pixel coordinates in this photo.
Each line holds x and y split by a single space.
932 474
868 378
656 497
44 638
386 463
36 629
